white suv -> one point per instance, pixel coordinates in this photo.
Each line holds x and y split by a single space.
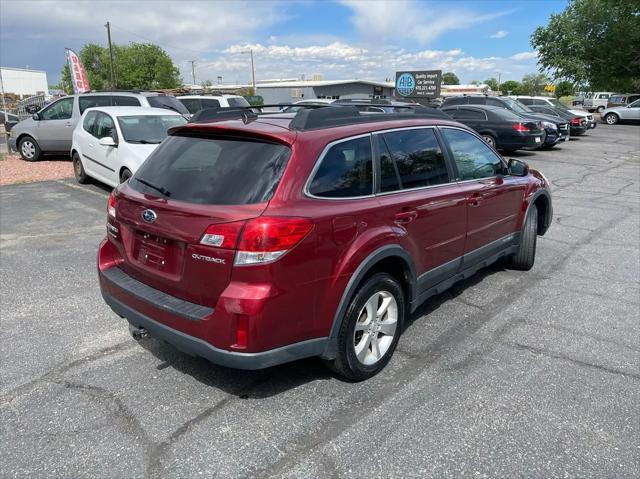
110 143
555 103
195 103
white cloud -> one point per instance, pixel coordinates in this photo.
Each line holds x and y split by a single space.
524 56
340 60
406 19
499 34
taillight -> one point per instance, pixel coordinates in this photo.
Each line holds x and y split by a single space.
520 127
111 205
262 239
575 121
224 235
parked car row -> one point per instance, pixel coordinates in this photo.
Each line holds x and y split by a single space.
513 123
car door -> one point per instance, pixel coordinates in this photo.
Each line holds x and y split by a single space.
420 202
493 199
84 140
632 111
105 158
55 126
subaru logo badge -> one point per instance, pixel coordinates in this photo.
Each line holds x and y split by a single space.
149 216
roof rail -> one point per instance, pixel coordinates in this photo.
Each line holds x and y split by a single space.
363 101
310 119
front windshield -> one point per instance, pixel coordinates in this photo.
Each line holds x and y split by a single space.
147 129
517 106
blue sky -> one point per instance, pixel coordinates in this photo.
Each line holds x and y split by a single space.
337 39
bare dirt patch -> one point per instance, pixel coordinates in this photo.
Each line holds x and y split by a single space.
14 170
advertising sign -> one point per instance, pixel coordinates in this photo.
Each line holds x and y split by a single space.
78 76
419 84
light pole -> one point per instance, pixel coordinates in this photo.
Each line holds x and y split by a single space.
253 70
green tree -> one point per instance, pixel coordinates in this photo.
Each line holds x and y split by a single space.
450 78
565 88
510 87
143 66
492 83
594 42
533 84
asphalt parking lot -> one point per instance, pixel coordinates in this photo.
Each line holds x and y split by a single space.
508 374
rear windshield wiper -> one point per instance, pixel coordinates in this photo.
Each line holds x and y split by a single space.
157 188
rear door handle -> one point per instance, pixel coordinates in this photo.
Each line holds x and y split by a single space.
404 217
474 200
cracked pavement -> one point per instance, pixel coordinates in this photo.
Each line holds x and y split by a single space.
507 374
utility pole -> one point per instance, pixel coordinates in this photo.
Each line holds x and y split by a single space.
113 74
4 110
499 77
193 70
253 70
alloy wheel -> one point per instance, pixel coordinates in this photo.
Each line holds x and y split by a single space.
376 327
490 140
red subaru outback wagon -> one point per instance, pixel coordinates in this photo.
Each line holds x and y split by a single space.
254 240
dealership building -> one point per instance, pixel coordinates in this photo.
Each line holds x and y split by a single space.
292 91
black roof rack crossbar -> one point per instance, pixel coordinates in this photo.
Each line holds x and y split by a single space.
311 119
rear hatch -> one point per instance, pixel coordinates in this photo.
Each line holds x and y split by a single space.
189 185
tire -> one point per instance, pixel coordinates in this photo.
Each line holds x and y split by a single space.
125 175
490 139
29 149
356 352
600 109
525 257
611 119
78 170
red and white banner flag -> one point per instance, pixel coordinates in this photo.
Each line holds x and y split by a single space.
78 76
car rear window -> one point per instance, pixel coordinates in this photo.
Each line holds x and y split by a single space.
167 101
214 170
233 101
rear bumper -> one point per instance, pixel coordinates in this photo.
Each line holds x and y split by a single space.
200 348
162 314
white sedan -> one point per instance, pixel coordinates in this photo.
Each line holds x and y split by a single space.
110 143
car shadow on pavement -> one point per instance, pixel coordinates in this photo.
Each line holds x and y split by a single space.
433 303
258 384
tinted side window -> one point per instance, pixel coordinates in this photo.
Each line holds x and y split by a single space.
105 126
463 113
477 100
60 110
118 100
93 100
89 123
418 157
346 171
210 103
473 157
233 101
389 176
453 101
539 102
494 102
192 104
527 101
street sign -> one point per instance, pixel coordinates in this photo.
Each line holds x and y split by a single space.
419 84
550 88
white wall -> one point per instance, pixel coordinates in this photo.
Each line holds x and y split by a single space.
24 82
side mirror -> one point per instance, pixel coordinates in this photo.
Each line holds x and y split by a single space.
36 117
517 167
107 141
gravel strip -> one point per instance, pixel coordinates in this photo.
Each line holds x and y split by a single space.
14 170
